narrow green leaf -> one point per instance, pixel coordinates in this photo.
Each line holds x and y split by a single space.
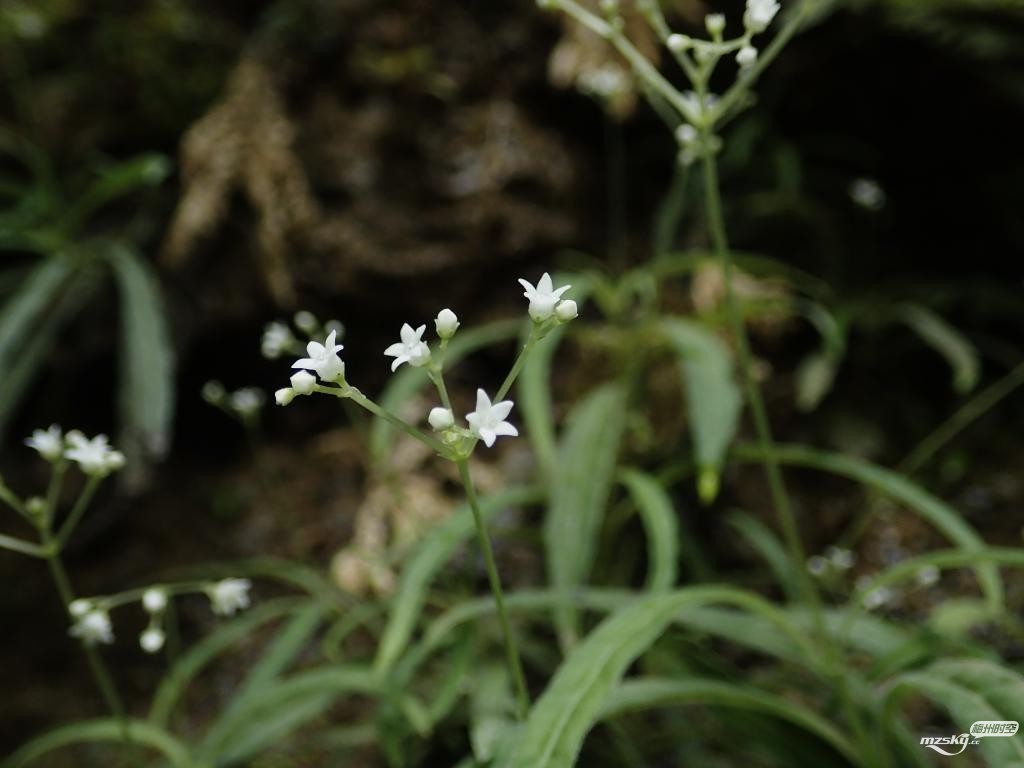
282 652
767 545
661 526
425 562
580 488
147 359
533 390
98 731
712 397
946 519
948 342
643 694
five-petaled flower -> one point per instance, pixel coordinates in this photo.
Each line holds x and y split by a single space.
229 595
93 627
323 359
543 297
411 349
488 420
49 443
94 457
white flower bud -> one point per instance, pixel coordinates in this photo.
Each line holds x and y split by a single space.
154 600
305 321
440 418
686 134
93 627
152 640
284 396
49 443
715 23
303 382
677 43
213 392
79 607
446 323
759 14
747 56
566 310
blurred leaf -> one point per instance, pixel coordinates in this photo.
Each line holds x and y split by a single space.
713 400
948 342
118 180
767 545
580 486
492 711
957 617
109 730
23 312
661 526
147 359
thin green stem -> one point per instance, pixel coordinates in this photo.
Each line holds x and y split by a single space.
60 470
511 652
367 404
7 497
21 546
517 366
75 516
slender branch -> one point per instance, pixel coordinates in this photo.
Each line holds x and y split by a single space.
366 403
511 652
21 546
75 516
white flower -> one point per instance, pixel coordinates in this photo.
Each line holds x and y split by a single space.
303 382
817 565
79 607
305 321
277 338
446 323
866 193
49 444
213 392
228 596
677 43
94 457
877 598
759 14
411 349
441 418
323 358
152 640
715 23
488 421
928 575
284 396
247 401
94 627
746 56
567 310
154 600
840 559
543 297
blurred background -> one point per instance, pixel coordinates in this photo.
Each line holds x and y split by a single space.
175 175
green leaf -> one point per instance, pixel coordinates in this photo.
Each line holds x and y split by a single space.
661 526
534 400
425 562
814 378
107 730
409 380
580 487
712 397
766 544
223 639
946 519
118 180
948 342
643 694
21 315
147 359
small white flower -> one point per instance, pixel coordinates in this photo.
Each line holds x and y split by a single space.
284 396
441 418
48 444
543 297
446 323
488 421
841 559
747 56
759 14
79 607
94 457
567 310
877 598
817 565
323 359
277 338
928 575
229 595
152 640
94 627
411 349
686 135
677 43
154 600
715 23
867 193
247 401
213 392
303 382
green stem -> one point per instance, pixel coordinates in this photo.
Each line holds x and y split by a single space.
366 403
73 518
7 497
511 652
517 366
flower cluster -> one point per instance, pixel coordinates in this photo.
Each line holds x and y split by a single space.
92 624
487 422
95 457
279 339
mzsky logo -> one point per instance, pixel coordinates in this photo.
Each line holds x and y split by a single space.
979 730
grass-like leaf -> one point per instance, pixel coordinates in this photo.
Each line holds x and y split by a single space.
661 526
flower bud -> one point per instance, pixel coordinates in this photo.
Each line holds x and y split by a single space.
715 23
566 310
441 418
284 396
305 321
152 640
677 43
303 382
446 323
747 56
154 600
79 607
